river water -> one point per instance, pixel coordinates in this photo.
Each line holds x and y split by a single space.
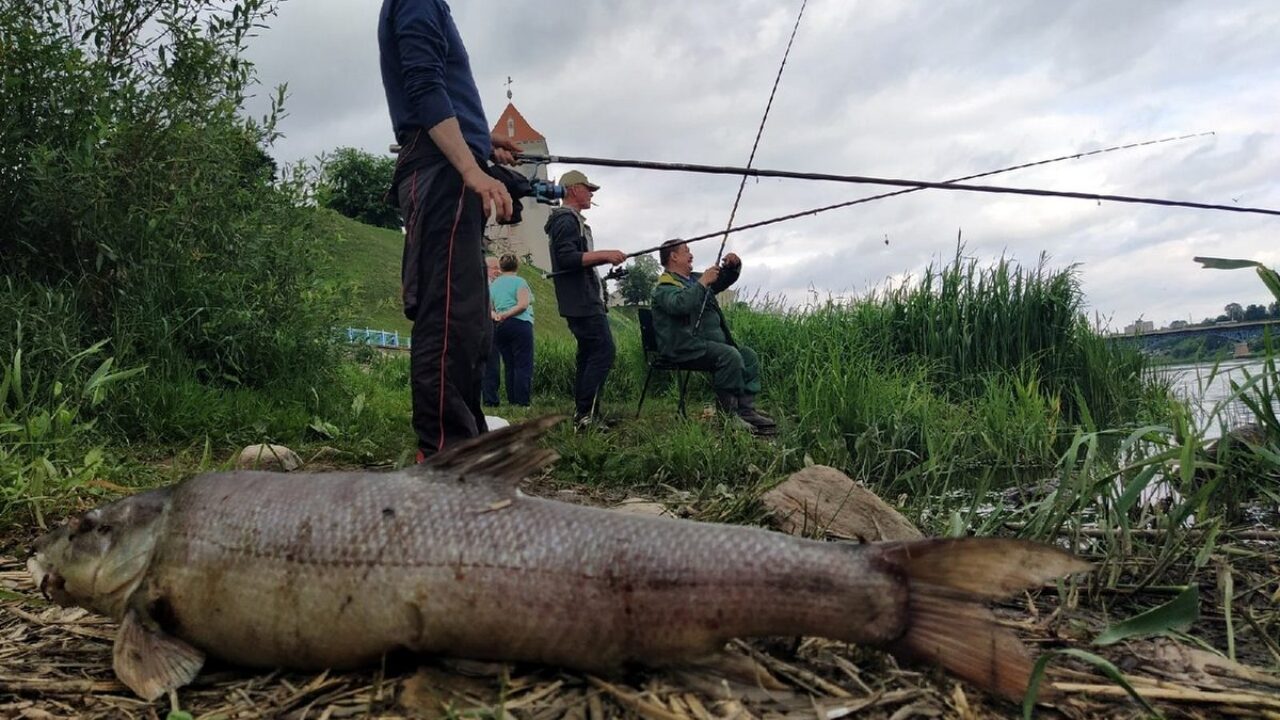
1205 390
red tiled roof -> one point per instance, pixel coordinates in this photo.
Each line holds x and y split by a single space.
524 132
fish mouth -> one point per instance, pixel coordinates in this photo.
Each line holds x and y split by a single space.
38 574
50 584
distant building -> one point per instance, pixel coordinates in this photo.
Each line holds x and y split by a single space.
1139 327
614 298
527 240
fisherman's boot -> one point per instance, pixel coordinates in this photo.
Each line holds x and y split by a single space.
747 409
728 404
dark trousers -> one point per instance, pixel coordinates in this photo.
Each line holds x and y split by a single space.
595 359
734 370
513 345
446 294
492 373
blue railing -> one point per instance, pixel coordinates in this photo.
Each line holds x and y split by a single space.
377 338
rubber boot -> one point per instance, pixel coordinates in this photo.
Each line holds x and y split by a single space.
728 405
747 409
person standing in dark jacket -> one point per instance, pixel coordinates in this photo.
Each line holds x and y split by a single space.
444 193
580 294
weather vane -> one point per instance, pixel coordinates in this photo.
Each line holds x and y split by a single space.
508 87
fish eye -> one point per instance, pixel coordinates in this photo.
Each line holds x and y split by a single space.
84 523
103 529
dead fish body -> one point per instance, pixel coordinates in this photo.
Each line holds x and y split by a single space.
333 570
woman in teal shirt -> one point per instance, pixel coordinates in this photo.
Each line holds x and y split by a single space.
512 302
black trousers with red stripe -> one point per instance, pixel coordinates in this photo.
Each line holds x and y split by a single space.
446 295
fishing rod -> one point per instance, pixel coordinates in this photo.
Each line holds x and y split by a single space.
859 201
898 182
706 297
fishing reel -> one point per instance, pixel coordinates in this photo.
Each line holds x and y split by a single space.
519 186
546 192
617 273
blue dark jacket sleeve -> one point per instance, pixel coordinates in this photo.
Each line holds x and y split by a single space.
422 32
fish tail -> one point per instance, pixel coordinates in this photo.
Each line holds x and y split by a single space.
948 622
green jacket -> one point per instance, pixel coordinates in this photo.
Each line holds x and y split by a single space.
675 306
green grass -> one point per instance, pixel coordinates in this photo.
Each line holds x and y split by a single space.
367 258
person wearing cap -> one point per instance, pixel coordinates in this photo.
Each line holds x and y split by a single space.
444 191
580 295
695 337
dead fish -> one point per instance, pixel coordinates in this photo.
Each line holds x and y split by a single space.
332 570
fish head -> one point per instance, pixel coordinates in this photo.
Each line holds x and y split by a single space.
97 559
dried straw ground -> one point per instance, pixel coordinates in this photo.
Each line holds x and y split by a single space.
56 663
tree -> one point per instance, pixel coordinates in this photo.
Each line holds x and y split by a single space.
641 276
1273 310
354 183
1234 312
1255 312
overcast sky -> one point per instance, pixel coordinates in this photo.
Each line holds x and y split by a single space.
900 88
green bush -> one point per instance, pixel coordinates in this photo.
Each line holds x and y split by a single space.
136 192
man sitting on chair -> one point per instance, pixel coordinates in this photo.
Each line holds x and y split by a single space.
707 346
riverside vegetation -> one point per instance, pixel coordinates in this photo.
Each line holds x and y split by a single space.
172 296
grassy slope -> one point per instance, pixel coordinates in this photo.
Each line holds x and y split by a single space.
369 258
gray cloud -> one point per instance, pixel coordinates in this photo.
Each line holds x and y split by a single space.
909 89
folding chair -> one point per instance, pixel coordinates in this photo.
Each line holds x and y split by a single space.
649 340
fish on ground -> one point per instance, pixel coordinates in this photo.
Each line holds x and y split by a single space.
335 569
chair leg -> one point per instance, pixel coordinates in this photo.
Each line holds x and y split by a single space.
684 385
645 390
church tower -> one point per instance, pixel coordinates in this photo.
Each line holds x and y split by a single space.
527 240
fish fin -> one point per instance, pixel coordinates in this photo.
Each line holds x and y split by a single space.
150 661
505 456
947 622
992 568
